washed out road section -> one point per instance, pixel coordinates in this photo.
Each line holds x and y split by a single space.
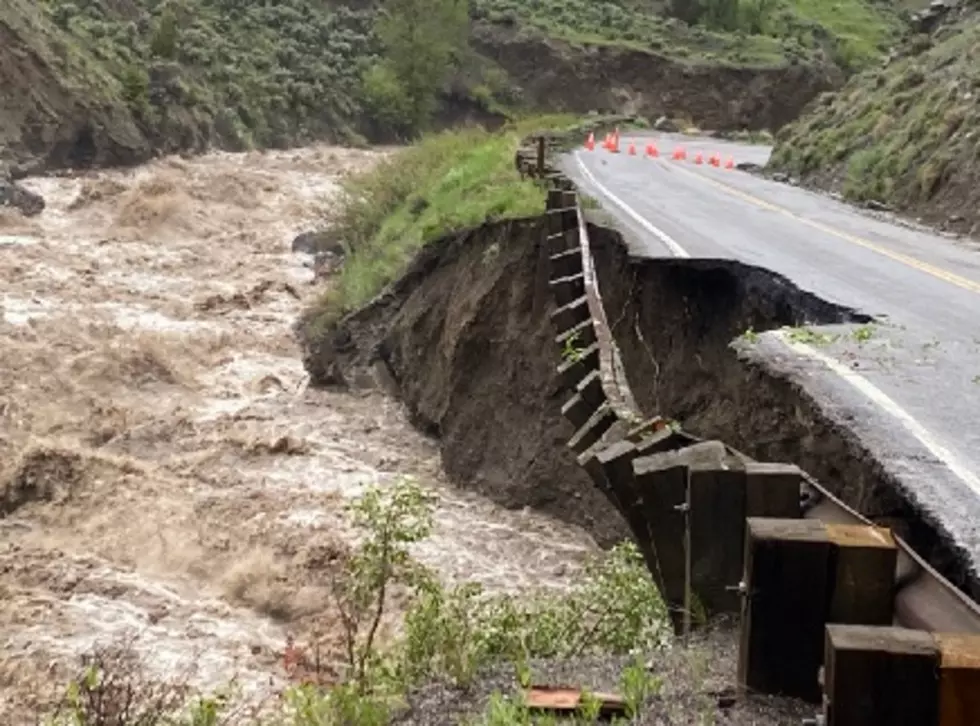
909 384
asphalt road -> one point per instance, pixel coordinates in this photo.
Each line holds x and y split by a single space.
909 385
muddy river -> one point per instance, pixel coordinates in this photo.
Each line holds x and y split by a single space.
171 482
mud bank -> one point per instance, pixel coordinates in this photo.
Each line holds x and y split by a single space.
466 337
680 327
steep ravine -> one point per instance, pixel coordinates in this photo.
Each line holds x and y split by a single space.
466 337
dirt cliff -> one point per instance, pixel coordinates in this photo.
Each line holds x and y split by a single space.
555 74
55 104
465 334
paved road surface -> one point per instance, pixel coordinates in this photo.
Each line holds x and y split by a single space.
911 390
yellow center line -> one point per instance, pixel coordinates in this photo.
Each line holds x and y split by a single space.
925 267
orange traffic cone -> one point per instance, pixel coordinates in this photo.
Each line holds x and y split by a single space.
631 149
715 160
730 164
680 153
607 142
652 151
698 158
614 144
590 142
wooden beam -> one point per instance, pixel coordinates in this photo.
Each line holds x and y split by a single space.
801 574
717 521
959 680
581 334
772 490
863 573
573 370
786 562
881 676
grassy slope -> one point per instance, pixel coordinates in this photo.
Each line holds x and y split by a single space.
262 72
905 134
447 182
853 32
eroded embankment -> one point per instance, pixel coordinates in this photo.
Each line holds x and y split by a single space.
674 322
466 335
467 338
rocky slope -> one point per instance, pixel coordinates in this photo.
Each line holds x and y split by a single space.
904 134
117 81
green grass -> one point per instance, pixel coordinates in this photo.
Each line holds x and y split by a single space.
853 32
262 73
447 182
904 134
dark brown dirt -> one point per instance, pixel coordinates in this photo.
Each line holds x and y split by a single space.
466 336
556 75
688 371
48 114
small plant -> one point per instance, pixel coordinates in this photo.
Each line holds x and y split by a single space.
638 686
863 334
590 706
809 336
749 336
572 351
392 519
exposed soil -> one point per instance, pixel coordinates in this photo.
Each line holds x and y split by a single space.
557 75
466 336
165 471
689 370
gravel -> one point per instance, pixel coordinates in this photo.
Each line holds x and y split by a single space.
698 688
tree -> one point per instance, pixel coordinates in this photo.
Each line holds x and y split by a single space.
422 41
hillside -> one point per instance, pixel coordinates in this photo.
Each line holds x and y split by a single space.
114 81
904 134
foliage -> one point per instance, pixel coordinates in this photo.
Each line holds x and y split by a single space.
740 32
280 72
421 40
392 519
903 134
445 183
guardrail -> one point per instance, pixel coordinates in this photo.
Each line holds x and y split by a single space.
820 592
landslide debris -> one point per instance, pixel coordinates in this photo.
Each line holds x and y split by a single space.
903 135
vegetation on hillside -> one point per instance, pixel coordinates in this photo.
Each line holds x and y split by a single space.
246 72
447 182
904 134
450 635
852 33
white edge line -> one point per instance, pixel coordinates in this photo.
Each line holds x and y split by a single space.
859 382
674 248
879 397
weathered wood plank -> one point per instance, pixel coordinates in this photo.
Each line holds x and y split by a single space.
787 562
570 315
565 263
573 370
582 334
863 572
717 521
880 676
959 679
772 490
566 289
593 430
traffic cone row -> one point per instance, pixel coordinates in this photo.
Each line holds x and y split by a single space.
611 143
